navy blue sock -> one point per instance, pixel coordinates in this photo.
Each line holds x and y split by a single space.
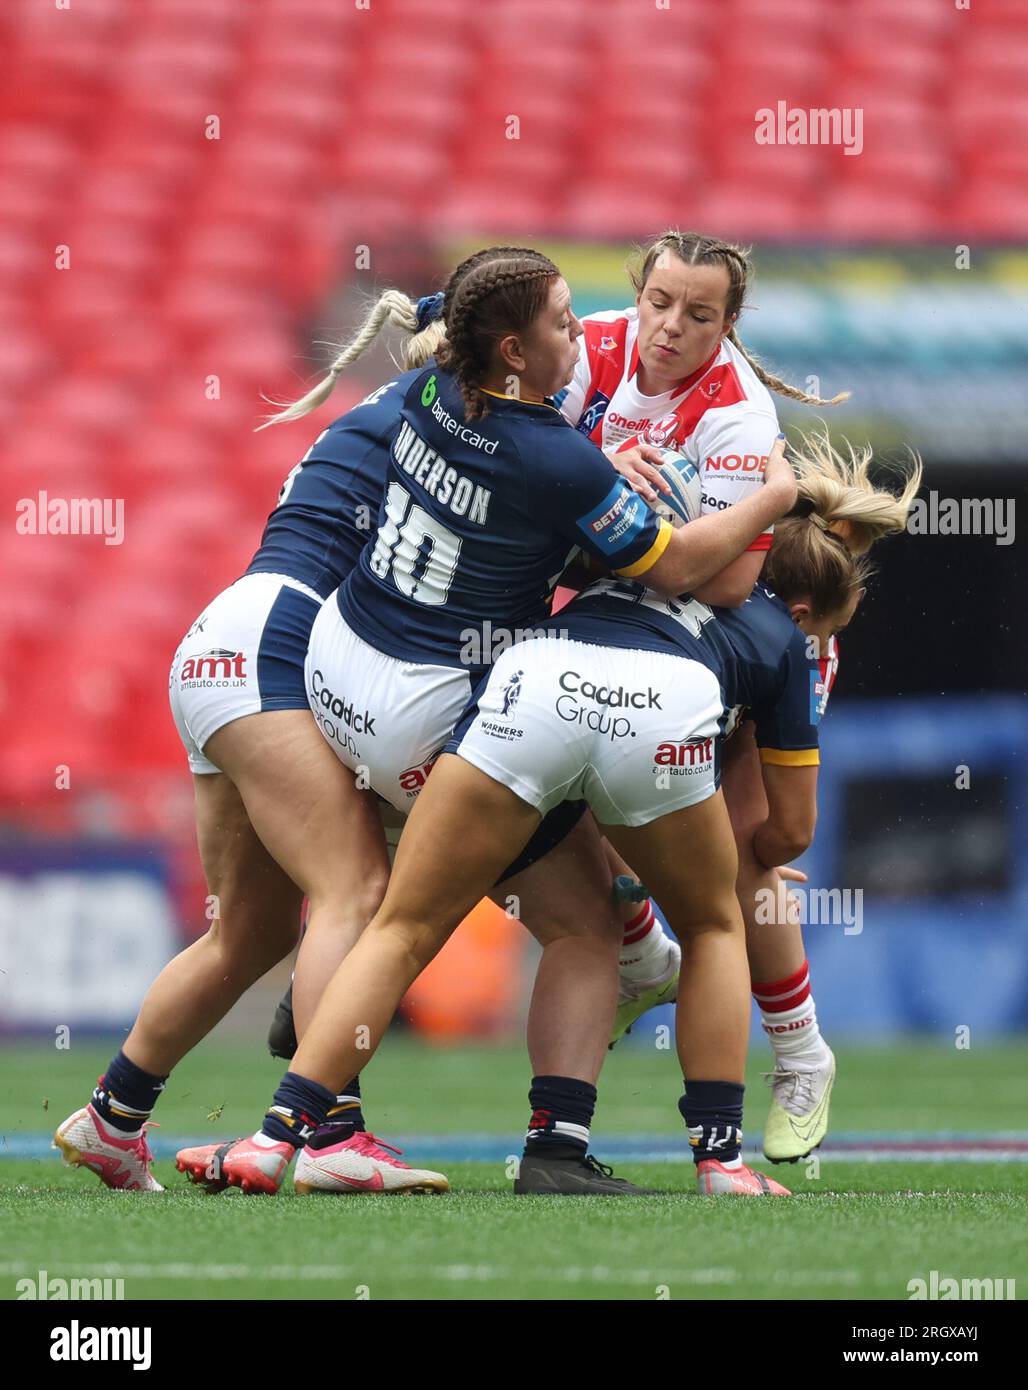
299 1107
125 1095
562 1111
344 1119
713 1112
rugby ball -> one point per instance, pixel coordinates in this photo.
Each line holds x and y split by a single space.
685 499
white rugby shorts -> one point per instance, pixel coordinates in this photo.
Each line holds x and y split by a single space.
244 654
634 733
379 713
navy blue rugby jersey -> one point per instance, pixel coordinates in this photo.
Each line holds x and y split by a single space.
329 504
757 652
478 523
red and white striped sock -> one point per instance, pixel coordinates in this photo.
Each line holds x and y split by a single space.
645 953
789 1019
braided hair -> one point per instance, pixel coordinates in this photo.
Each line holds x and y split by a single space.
421 321
696 249
492 300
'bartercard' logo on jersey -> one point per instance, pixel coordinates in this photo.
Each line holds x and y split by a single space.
692 755
617 521
593 413
660 431
216 667
428 391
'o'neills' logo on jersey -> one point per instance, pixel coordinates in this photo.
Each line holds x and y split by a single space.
216 665
696 753
624 423
736 463
661 430
710 390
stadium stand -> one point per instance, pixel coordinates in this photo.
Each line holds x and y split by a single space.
209 167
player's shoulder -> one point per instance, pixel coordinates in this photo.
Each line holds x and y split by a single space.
629 315
766 623
383 401
733 385
608 332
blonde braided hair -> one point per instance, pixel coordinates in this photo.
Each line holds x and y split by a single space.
394 308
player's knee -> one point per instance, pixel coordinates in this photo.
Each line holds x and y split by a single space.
246 938
412 943
713 915
354 899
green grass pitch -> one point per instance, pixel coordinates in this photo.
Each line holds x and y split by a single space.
856 1229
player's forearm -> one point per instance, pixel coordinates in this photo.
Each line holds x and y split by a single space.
709 544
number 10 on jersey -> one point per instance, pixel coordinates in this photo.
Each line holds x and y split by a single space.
419 550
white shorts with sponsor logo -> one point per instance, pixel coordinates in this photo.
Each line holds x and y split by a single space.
388 716
633 733
244 654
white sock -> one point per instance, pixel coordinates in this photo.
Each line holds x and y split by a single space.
795 1037
646 955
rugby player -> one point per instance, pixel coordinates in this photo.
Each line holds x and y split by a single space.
481 511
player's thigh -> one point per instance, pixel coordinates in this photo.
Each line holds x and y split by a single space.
567 892
318 825
253 898
688 861
465 828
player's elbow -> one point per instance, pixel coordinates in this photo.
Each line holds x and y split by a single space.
794 834
673 574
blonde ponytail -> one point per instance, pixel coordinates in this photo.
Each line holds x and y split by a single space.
819 550
840 491
392 307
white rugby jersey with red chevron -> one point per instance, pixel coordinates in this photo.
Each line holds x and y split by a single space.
721 417
829 665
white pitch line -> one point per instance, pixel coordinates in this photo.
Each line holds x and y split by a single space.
456 1273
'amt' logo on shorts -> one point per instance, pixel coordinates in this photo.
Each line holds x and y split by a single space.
213 665
692 754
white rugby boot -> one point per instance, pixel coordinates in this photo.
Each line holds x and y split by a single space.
798 1119
362 1163
118 1161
